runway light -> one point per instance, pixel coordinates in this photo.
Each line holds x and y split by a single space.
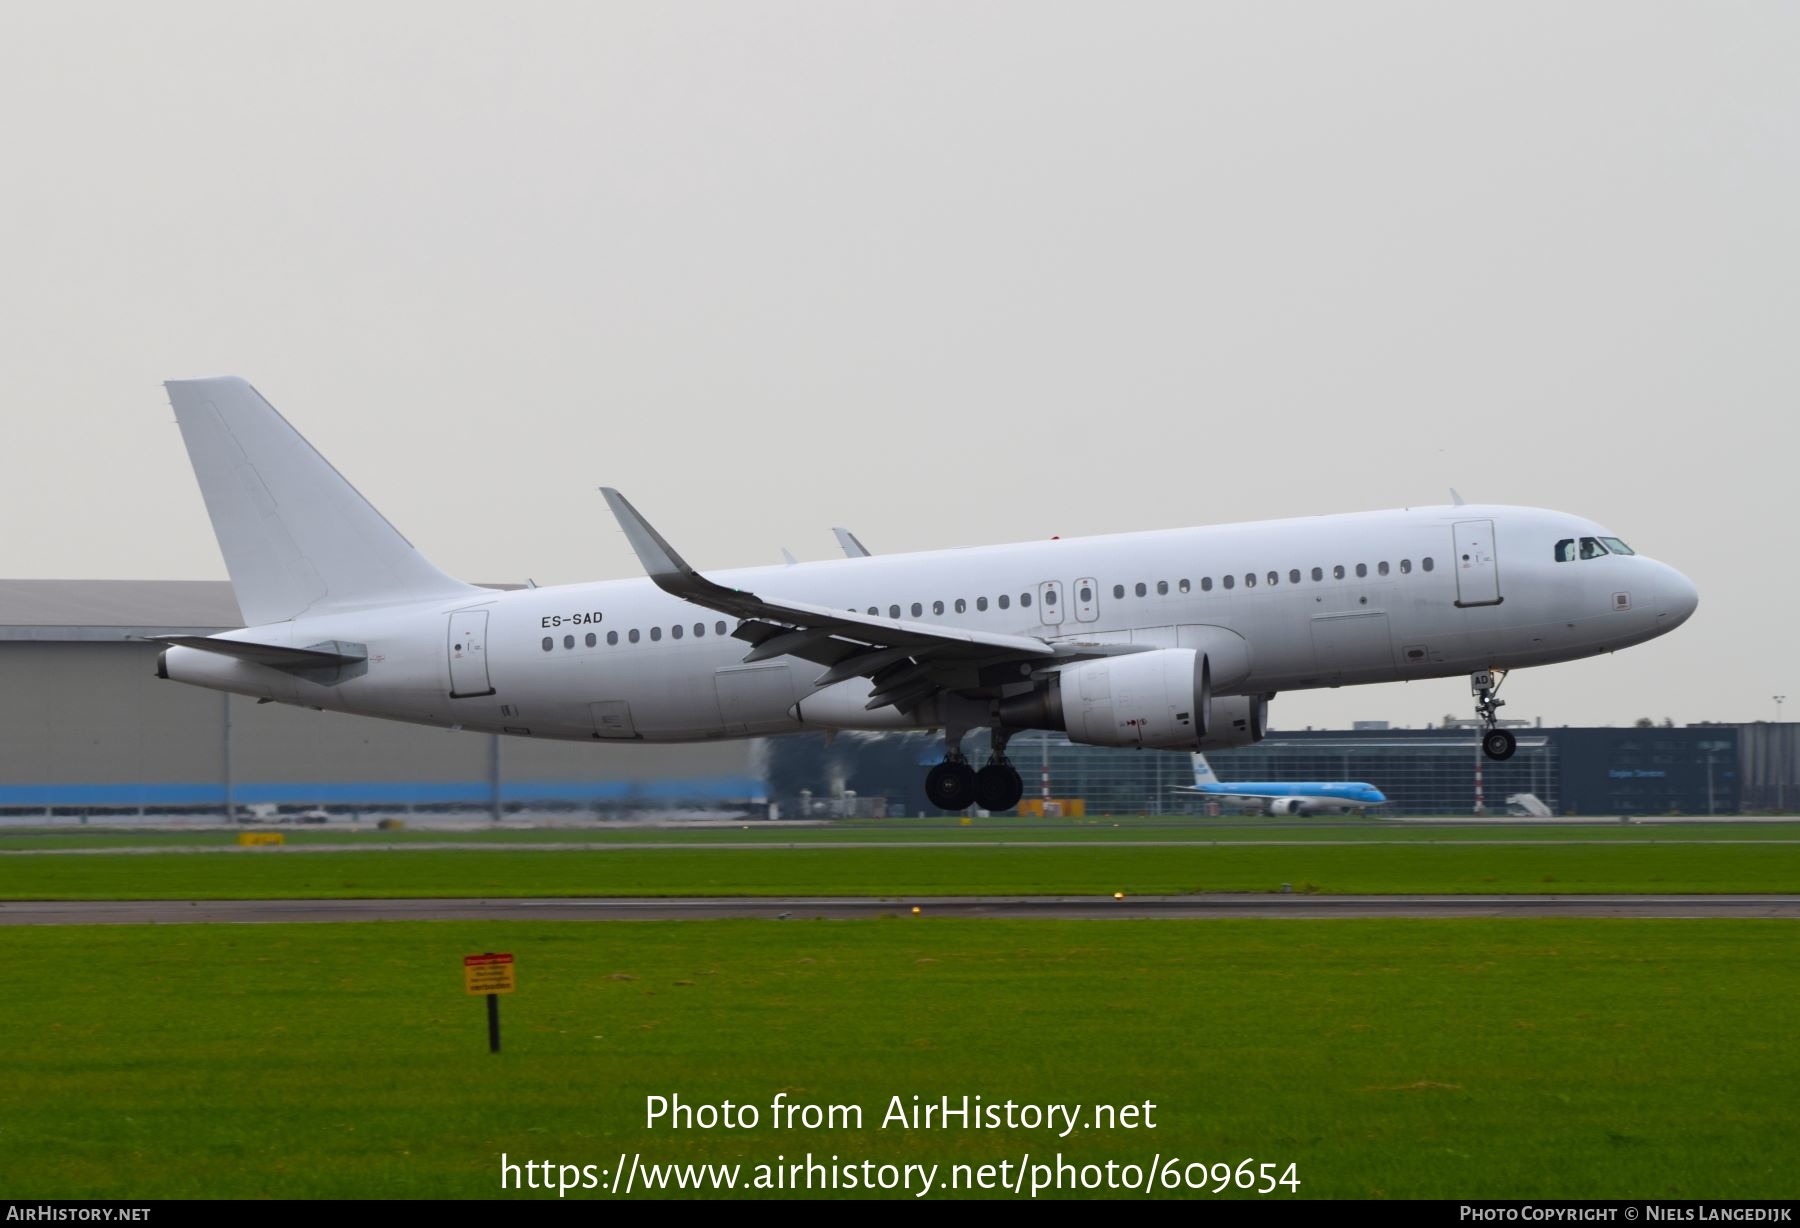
915 910
1118 895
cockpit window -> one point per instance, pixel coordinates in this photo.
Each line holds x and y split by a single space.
1616 546
1591 548
1565 550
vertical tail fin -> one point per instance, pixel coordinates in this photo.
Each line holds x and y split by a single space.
297 538
1203 773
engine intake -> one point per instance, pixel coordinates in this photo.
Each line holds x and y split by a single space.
1159 700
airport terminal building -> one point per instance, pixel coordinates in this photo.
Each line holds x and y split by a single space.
89 728
1693 770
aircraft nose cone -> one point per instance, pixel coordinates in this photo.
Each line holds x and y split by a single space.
1678 598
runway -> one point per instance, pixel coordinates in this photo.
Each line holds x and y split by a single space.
688 908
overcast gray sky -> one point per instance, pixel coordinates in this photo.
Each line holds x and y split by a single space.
949 274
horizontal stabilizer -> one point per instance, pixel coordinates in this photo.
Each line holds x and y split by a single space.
277 655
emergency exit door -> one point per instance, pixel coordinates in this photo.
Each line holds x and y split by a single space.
468 655
1477 570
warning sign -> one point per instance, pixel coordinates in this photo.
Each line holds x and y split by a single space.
490 973
251 839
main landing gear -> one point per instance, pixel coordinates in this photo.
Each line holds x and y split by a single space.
951 784
954 785
1496 743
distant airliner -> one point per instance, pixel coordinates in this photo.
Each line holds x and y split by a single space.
1168 640
1286 797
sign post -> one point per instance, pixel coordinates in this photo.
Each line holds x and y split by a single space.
490 974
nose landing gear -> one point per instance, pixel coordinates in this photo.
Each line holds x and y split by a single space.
1496 743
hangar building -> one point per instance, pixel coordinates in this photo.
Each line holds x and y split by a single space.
88 726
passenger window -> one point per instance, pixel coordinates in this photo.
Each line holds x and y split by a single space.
874 610
1004 600
1294 575
1405 567
699 630
1591 548
1274 578
655 634
1318 573
1362 571
893 611
568 641
675 631
633 636
1250 579
1426 562
937 607
962 606
1565 550
549 643
1049 596
612 637
1206 584
1118 592
1141 590
1381 568
1337 573
1025 601
1162 588
1183 585
591 639
719 627
1229 581
1086 594
917 609
981 603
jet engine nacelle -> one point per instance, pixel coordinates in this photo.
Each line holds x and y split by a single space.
1159 700
1288 805
1237 720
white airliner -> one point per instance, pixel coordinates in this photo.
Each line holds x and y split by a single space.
1279 797
1169 640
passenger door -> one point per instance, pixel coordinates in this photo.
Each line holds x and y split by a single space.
467 646
1050 605
1477 570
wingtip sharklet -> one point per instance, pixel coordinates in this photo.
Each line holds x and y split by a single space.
653 550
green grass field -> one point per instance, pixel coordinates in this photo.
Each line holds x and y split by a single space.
988 869
1385 1058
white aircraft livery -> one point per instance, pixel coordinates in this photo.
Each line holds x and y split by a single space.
1279 797
1170 640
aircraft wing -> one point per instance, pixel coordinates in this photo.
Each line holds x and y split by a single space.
908 661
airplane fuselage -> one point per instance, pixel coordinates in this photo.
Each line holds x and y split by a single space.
1294 797
1280 605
